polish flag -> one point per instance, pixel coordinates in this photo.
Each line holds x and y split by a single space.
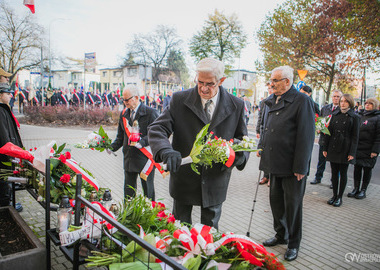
29 4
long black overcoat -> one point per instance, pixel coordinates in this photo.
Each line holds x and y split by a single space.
369 138
343 142
8 131
289 134
134 159
183 119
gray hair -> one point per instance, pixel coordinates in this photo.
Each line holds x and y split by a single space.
286 71
133 90
211 65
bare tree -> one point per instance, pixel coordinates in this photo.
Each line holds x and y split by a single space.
20 40
153 48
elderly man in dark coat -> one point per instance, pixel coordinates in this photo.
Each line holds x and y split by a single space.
134 159
287 146
189 111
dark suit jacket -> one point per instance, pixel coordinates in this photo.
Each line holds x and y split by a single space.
183 119
325 111
289 134
134 159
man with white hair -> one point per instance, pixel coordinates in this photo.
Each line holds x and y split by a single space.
134 159
189 111
286 151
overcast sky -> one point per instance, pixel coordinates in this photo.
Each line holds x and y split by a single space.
106 26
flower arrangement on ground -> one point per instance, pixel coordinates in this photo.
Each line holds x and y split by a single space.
96 141
322 124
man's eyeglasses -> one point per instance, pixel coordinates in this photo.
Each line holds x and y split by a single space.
276 80
208 85
128 99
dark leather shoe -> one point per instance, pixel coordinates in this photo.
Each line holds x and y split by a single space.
361 194
315 181
274 242
338 202
332 200
291 254
353 193
331 187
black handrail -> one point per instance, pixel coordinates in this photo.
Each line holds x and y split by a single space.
131 235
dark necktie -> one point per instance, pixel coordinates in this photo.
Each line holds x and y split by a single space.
333 108
207 109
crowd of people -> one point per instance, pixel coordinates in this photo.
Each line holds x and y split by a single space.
285 129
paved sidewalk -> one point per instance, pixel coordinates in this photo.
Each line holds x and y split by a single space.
333 238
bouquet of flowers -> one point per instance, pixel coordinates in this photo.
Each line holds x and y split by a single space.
195 247
96 141
322 124
208 149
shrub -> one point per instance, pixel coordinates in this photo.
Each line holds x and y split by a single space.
61 115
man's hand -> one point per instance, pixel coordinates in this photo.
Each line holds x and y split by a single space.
258 136
350 158
172 159
299 176
324 153
258 153
373 155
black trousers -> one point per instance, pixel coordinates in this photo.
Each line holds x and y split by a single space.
367 174
321 164
209 215
339 185
286 198
130 185
5 193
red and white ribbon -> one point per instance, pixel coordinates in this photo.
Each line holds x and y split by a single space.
72 164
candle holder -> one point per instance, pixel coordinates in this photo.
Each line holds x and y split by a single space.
107 199
134 138
64 214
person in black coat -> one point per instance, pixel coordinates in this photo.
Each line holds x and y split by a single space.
368 147
340 147
8 133
134 159
189 111
286 151
326 110
308 91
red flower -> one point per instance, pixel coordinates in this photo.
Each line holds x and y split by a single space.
92 148
103 137
35 148
104 141
16 172
98 143
65 178
164 232
161 215
171 219
31 149
68 155
62 158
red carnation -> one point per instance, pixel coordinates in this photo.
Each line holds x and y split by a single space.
31 149
62 158
161 215
65 178
171 219
68 155
164 232
35 148
15 172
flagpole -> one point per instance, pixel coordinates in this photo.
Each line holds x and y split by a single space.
84 83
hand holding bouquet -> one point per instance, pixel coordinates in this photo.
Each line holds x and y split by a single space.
96 141
322 124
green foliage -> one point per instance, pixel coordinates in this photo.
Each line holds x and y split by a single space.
317 35
222 37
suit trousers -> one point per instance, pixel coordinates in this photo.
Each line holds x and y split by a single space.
130 185
209 215
321 164
286 197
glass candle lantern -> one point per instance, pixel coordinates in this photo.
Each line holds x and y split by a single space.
107 199
64 214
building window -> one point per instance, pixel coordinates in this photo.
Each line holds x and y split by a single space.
116 73
132 72
244 77
104 73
